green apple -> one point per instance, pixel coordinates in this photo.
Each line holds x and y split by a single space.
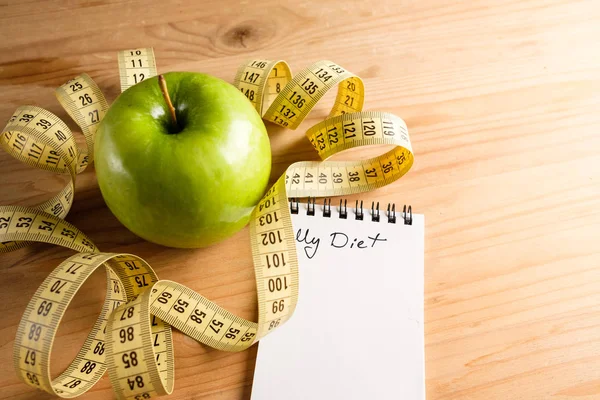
188 182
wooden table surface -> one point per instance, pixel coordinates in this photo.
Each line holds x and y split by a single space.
502 101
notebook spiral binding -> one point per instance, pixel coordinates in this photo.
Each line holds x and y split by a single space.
405 216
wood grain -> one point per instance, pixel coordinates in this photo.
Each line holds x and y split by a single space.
502 100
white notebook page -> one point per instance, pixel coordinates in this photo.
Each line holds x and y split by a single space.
357 332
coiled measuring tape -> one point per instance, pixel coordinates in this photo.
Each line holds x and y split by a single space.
132 336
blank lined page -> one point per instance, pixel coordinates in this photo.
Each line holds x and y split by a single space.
357 332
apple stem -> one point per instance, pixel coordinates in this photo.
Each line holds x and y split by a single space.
163 88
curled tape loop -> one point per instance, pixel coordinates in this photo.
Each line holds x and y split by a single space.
132 337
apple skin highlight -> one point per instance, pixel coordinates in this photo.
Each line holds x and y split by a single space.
189 186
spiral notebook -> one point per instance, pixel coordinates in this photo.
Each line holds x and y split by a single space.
357 332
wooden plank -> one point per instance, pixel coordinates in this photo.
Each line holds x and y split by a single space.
501 99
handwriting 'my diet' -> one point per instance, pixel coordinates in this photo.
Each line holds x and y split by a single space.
338 240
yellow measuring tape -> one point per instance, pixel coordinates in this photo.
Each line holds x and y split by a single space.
132 337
